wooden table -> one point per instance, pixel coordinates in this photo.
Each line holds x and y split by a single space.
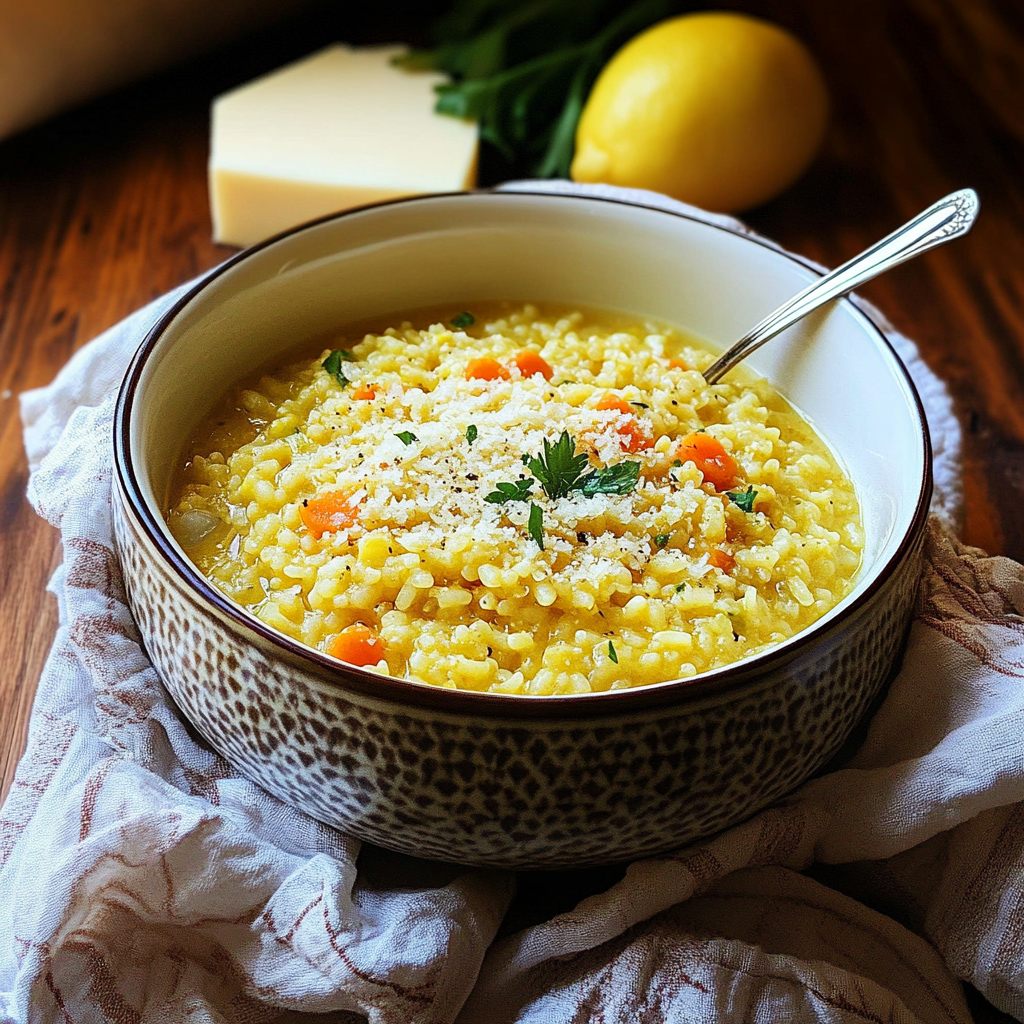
106 208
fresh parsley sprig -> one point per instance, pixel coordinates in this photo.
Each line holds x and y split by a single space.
516 491
524 69
558 468
618 479
560 471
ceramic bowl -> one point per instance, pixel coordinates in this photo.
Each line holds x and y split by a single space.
480 778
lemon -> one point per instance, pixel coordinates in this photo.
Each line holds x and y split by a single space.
717 109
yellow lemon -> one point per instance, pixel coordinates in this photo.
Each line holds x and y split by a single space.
717 109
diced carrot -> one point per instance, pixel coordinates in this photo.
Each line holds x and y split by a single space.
364 392
633 438
358 645
708 455
486 368
610 401
328 513
677 364
721 560
531 363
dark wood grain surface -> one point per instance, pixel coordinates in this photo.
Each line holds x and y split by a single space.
106 208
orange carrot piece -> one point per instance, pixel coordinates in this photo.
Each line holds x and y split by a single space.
358 645
531 363
677 364
328 513
610 401
486 368
633 438
721 560
364 392
708 455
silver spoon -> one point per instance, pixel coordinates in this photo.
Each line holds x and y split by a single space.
947 219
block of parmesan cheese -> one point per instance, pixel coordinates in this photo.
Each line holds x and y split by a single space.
339 129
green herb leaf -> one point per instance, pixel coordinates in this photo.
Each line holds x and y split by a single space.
526 460
524 68
680 587
677 463
743 499
611 652
463 320
332 364
518 491
536 525
661 540
348 354
471 433
558 467
618 479
406 437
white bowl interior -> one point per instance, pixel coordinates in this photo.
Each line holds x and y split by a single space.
834 366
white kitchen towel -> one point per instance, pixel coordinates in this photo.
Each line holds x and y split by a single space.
142 880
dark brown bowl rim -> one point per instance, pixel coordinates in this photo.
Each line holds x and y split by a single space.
609 703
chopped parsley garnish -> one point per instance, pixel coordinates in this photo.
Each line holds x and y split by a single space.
463 320
536 525
332 364
471 433
680 587
406 437
560 470
518 491
618 479
558 467
677 463
611 652
661 540
743 499
347 353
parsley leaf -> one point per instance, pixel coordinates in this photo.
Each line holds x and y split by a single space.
463 320
611 652
471 433
524 69
518 491
661 540
406 437
347 353
743 499
558 467
618 479
536 525
332 364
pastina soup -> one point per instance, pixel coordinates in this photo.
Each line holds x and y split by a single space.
519 498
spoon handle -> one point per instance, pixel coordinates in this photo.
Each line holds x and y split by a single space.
945 220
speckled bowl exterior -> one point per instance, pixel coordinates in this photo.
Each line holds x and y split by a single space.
502 781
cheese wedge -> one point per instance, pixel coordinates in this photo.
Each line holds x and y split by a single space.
339 129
